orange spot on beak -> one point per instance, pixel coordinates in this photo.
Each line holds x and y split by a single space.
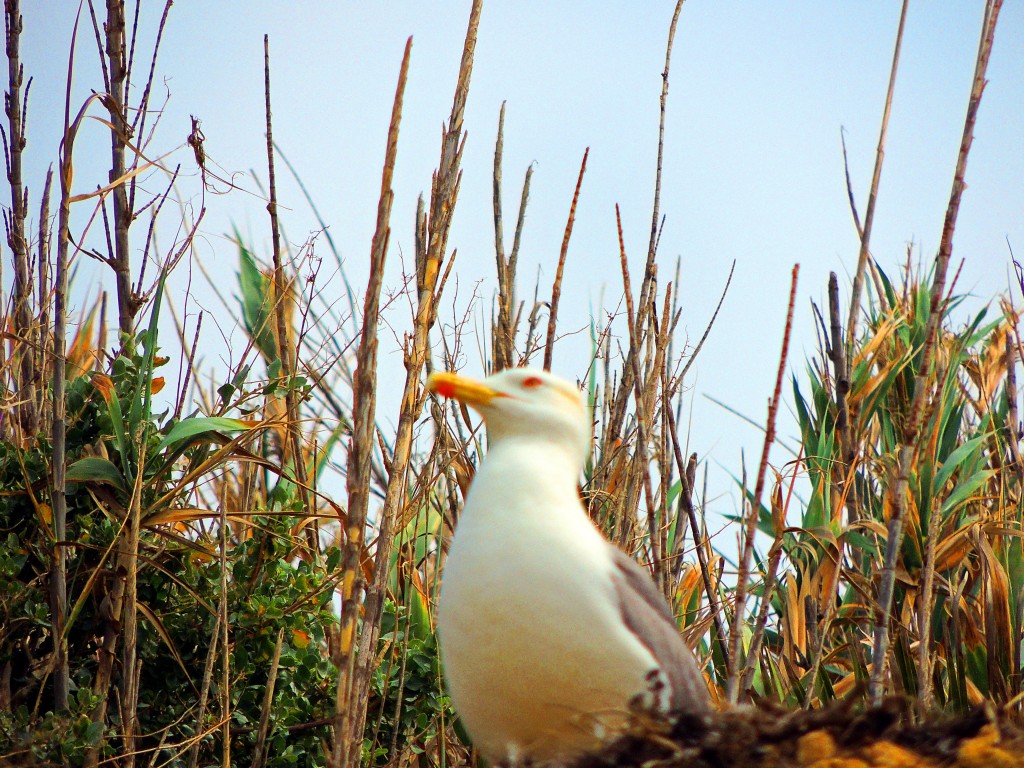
462 388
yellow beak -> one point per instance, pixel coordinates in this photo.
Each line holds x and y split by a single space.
462 388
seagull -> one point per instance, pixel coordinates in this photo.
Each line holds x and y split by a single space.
552 639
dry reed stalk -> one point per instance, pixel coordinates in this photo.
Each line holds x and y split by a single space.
556 288
58 431
138 124
666 475
1011 403
836 351
281 290
869 213
662 331
347 721
839 346
924 612
14 222
115 102
622 393
916 416
504 331
510 277
112 609
750 524
662 103
224 623
128 564
123 615
204 693
43 303
433 243
641 387
259 750
504 339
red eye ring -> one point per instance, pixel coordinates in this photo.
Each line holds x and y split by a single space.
532 382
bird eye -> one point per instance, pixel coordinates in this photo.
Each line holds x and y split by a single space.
532 382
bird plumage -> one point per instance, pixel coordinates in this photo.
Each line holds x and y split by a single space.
549 634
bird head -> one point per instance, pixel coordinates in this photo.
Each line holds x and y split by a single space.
523 404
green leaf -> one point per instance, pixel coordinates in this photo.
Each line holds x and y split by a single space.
256 310
201 425
94 469
274 368
118 423
965 490
955 459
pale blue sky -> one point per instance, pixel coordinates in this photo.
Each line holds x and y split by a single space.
753 167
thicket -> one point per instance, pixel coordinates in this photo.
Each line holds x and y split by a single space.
176 589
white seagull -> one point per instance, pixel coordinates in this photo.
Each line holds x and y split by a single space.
550 636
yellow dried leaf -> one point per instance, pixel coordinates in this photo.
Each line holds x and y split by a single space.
984 751
893 756
104 385
815 746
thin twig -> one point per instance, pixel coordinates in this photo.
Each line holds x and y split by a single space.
189 368
849 186
707 330
139 123
686 501
128 564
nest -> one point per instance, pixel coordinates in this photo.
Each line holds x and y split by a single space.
834 737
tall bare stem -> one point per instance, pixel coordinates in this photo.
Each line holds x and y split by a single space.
922 391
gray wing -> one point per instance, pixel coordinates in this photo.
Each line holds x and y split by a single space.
646 613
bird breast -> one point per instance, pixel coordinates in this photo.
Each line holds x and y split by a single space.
526 592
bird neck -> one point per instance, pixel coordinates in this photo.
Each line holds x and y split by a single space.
534 461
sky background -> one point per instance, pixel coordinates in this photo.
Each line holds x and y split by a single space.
753 164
